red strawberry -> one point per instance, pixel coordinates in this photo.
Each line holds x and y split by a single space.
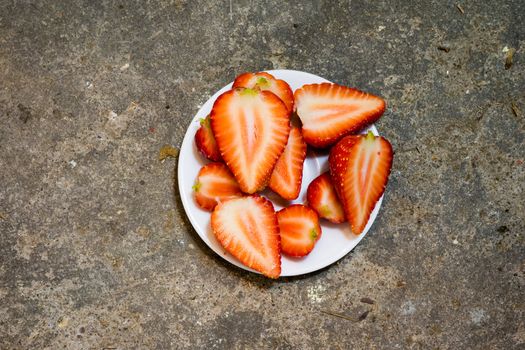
215 183
205 141
251 128
248 229
266 81
360 166
288 172
300 229
323 199
330 111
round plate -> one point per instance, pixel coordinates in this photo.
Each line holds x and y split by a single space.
336 239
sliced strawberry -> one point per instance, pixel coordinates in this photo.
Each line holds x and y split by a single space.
214 184
205 141
323 199
360 166
330 111
342 147
266 81
300 229
251 128
288 172
248 229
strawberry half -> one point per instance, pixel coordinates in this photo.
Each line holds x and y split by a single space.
300 229
214 184
330 111
323 199
360 166
251 128
205 141
288 172
248 229
266 81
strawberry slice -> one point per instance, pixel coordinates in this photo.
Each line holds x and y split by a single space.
248 229
205 141
323 199
251 128
330 111
288 172
215 183
300 229
266 81
360 166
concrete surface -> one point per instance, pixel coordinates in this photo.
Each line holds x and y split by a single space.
95 248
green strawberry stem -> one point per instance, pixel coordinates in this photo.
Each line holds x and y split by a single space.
262 82
313 234
248 91
196 187
205 121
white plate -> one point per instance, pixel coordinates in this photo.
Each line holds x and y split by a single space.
336 239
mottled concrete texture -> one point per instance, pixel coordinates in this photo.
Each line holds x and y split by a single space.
95 248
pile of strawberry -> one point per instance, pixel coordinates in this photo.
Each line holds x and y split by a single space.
254 140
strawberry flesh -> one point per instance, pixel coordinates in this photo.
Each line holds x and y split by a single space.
205 141
248 229
214 184
251 128
323 199
300 230
266 81
360 166
330 111
287 175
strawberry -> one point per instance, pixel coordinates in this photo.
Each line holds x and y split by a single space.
251 128
215 183
330 111
360 166
323 199
205 141
266 81
248 229
300 229
288 172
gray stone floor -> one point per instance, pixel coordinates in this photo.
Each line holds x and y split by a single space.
95 248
